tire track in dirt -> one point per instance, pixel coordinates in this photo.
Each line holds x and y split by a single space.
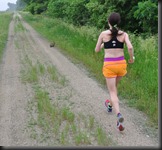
90 96
13 96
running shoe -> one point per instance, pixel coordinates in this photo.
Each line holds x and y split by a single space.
108 106
119 122
120 118
120 126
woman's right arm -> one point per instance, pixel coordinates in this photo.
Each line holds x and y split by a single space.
130 48
99 44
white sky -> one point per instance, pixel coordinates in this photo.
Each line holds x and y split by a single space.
3 4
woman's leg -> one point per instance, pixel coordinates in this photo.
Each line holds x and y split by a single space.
111 84
112 87
118 79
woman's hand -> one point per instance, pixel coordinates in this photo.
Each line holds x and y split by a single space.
131 61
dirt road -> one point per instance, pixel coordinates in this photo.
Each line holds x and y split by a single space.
89 95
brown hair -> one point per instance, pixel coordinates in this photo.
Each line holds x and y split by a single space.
114 20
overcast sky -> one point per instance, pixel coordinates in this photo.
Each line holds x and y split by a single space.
3 4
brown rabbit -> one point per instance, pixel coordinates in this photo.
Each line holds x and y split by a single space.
52 44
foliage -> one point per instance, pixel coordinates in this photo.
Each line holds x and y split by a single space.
99 14
20 5
12 7
5 19
79 14
58 8
74 12
147 12
36 6
138 16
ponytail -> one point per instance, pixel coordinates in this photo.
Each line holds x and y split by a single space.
114 20
114 31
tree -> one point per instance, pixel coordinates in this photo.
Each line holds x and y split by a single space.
36 6
147 13
138 16
20 5
78 12
57 8
12 6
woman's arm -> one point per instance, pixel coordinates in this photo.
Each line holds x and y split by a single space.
99 44
130 49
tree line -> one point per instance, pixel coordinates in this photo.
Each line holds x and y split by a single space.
137 16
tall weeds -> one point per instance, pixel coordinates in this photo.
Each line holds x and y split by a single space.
5 19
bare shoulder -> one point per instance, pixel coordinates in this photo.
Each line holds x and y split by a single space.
120 32
125 35
106 32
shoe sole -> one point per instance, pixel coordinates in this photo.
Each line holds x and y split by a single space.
121 128
109 110
121 119
106 102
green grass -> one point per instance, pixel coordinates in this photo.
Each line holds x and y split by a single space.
60 121
139 87
142 90
18 25
5 19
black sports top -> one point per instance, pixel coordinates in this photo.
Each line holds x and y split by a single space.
113 43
